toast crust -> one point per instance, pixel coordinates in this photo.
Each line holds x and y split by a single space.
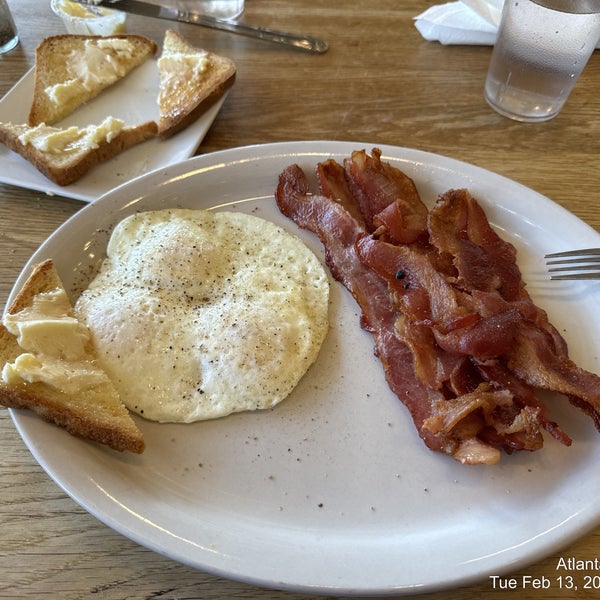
185 96
98 415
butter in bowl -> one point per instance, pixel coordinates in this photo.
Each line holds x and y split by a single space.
89 19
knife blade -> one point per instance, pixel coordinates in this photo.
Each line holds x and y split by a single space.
305 43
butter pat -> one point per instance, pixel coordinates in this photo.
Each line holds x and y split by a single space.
189 65
63 336
60 93
55 345
102 63
69 378
74 9
73 139
176 68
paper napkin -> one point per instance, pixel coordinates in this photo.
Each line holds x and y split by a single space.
472 22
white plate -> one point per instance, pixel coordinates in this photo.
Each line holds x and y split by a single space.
333 492
134 100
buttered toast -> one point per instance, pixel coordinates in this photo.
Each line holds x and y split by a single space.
191 80
72 69
50 366
66 155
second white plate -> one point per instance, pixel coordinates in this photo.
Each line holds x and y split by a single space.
134 100
333 492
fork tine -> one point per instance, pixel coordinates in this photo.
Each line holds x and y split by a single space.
575 276
573 268
589 260
583 252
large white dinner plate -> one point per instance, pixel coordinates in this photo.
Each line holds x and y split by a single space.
333 491
134 100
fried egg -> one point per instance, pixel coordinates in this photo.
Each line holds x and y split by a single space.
198 314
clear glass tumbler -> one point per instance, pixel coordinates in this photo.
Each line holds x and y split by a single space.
9 37
541 49
221 9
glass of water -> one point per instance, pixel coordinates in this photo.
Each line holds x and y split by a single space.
541 49
9 37
221 9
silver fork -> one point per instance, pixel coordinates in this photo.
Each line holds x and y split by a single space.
574 264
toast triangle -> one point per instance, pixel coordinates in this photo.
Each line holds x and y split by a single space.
71 69
96 412
191 81
79 156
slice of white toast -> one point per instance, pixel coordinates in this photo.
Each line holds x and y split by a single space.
49 366
191 80
72 69
64 155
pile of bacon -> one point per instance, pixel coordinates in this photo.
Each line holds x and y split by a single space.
461 342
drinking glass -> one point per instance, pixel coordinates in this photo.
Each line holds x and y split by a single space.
222 9
541 49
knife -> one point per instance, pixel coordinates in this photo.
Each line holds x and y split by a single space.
306 43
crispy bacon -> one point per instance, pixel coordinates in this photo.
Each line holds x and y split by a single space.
333 184
461 342
447 329
386 196
338 230
486 263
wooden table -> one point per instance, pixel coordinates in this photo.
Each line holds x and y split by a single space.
380 83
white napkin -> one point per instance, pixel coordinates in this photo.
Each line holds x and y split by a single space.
469 22
473 22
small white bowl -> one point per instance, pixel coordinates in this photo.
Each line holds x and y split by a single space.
89 20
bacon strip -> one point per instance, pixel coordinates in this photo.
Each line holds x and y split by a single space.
333 184
484 262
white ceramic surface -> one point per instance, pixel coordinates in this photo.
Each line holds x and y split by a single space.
333 492
133 99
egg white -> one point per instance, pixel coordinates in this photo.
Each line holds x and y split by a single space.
198 314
